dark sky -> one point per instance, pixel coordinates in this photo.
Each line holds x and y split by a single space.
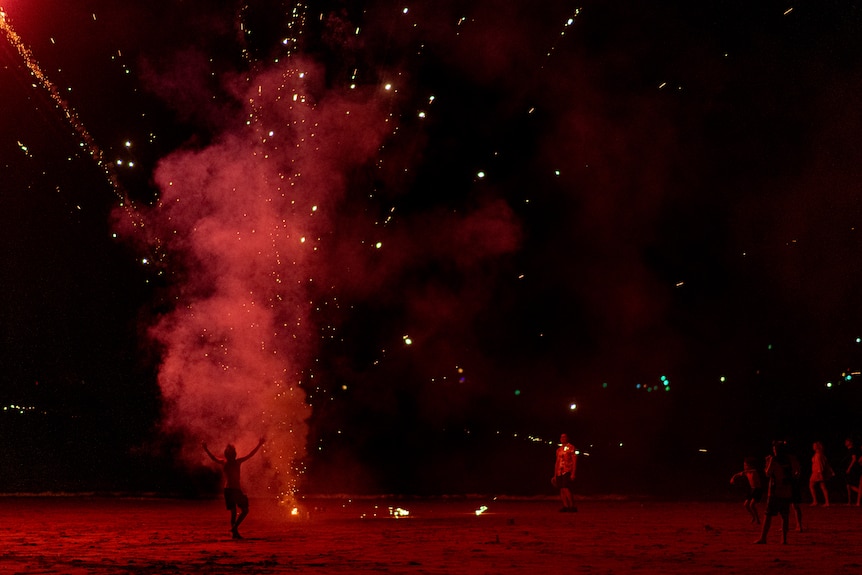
440 225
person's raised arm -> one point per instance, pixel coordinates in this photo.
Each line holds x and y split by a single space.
213 457
253 451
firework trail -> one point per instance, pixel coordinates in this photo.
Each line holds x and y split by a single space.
87 142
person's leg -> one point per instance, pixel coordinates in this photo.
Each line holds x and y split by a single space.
243 514
751 506
566 497
242 503
767 521
230 505
797 511
813 493
825 493
785 525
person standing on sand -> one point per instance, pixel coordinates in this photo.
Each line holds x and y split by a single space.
779 472
853 471
233 494
821 472
564 473
751 473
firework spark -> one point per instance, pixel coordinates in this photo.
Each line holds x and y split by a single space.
87 141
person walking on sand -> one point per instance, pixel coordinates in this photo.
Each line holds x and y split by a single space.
752 474
853 471
779 473
564 473
821 472
233 494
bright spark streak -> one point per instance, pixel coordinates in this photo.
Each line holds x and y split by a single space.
87 140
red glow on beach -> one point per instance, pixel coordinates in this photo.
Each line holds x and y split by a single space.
77 536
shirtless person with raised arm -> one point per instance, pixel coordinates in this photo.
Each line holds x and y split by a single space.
233 494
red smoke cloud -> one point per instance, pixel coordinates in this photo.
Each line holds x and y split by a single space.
240 223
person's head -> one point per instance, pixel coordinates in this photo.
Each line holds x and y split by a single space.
230 452
779 448
818 447
848 443
564 439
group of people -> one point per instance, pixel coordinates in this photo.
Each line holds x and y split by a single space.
782 478
236 500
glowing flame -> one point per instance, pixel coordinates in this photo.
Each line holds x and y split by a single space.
398 512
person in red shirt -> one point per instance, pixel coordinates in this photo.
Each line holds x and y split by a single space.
564 473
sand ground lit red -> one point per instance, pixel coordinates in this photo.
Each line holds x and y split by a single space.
77 535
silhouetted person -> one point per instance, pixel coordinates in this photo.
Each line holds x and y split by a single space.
751 472
564 473
795 485
853 471
779 473
821 472
233 494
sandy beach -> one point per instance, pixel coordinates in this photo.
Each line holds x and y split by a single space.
109 535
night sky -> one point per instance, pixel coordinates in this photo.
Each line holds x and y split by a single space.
413 243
